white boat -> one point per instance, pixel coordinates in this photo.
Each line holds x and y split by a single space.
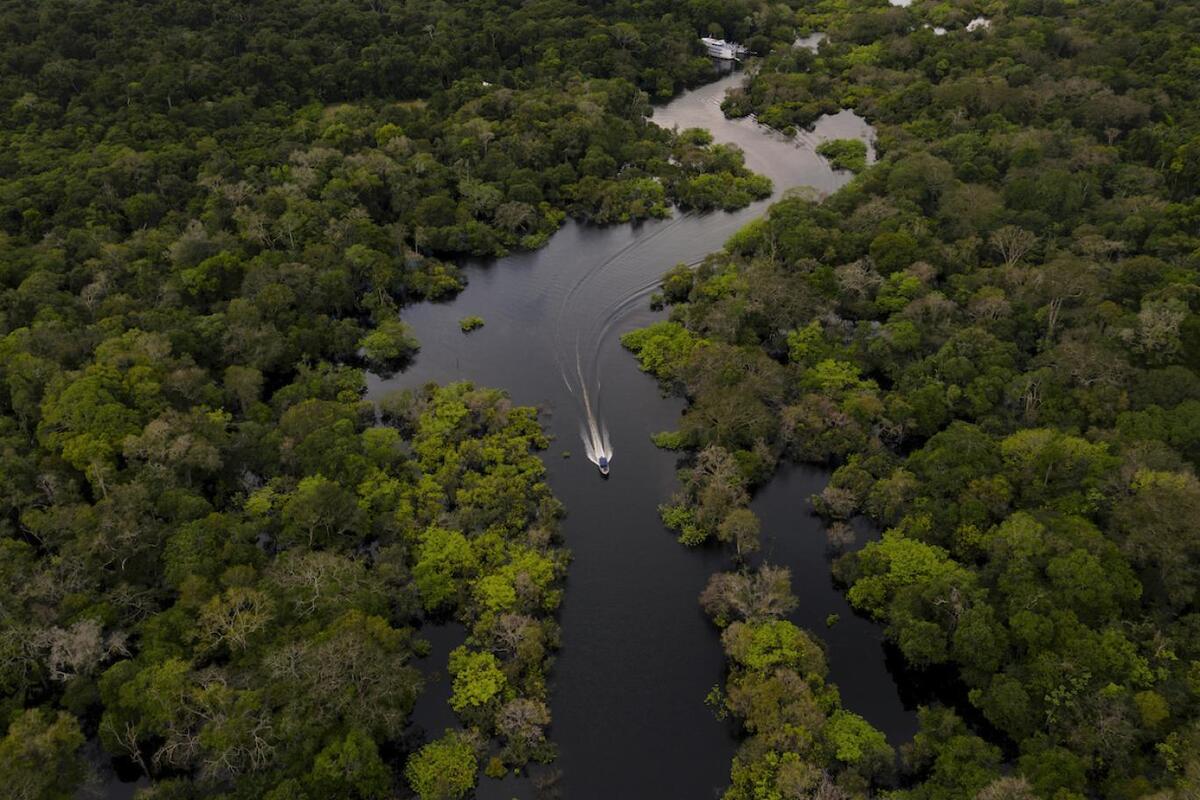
603 465
727 51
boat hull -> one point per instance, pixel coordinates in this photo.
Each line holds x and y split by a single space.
726 51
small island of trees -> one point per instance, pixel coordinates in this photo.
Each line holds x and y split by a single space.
471 323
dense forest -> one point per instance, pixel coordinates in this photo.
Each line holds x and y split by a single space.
993 334
217 554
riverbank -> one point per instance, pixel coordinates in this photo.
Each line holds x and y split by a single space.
637 655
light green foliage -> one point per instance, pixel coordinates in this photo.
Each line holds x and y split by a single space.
807 345
478 679
747 237
535 573
444 559
856 743
495 594
893 564
865 54
1046 463
897 291
777 643
86 417
382 447
832 377
766 778
472 323
444 769
670 440
682 519
662 349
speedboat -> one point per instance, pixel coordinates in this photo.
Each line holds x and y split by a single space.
603 465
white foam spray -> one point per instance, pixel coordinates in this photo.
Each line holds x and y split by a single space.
593 432
594 435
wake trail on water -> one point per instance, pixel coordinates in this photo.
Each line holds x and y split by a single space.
592 431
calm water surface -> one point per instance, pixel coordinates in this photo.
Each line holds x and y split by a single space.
811 42
638 656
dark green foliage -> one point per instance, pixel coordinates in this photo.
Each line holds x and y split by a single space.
214 560
40 756
990 333
848 154
211 217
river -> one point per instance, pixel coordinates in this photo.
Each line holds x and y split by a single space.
638 656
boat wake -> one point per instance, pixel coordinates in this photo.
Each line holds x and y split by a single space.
596 444
593 324
592 431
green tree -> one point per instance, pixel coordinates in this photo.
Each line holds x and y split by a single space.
350 769
478 679
318 513
41 756
444 769
389 345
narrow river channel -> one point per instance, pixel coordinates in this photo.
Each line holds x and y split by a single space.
637 655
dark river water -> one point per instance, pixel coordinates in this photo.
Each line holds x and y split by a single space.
638 656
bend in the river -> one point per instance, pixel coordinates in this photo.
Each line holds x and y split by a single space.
638 657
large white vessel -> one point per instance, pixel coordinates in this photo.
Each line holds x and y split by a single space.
719 48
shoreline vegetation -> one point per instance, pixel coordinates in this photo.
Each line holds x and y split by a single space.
847 154
993 335
218 555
